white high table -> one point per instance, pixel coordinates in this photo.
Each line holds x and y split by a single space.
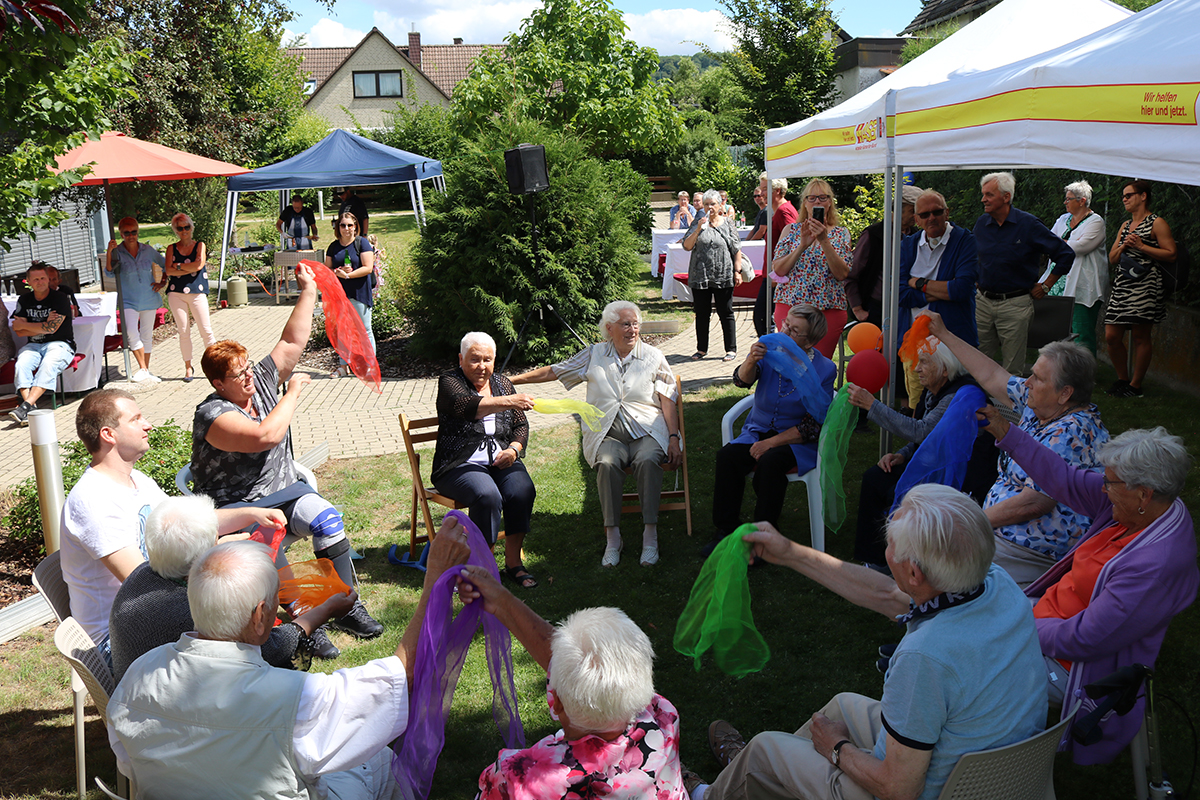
661 238
678 260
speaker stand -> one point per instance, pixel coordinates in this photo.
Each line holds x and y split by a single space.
537 307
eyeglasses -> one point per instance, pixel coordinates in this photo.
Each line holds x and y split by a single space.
937 212
242 373
1071 200
1107 483
129 233
816 198
628 325
183 227
1128 195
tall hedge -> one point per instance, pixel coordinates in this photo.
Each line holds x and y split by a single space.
473 266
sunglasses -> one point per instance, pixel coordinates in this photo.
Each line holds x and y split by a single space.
129 233
937 212
1128 195
347 225
183 227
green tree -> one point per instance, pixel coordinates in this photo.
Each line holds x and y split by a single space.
473 267
927 40
572 67
57 86
783 58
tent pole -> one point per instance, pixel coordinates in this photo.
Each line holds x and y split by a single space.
421 203
412 197
230 204
116 265
285 200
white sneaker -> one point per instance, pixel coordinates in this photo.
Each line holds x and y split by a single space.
141 375
153 378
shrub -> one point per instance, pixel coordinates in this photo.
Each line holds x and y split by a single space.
474 262
699 148
170 450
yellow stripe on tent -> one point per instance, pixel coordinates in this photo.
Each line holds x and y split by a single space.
862 134
1144 104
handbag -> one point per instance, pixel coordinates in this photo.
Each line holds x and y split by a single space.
1132 268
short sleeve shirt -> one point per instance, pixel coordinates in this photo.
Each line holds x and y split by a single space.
338 254
99 518
1075 437
241 477
30 309
810 280
296 225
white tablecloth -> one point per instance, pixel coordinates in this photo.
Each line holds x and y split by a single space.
678 259
89 340
662 237
102 304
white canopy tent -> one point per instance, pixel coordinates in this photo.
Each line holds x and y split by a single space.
1121 101
856 136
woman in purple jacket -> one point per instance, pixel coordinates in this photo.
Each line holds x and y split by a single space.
1107 603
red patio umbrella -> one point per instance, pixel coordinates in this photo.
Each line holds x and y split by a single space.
117 158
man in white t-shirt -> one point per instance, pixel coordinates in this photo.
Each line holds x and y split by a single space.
105 513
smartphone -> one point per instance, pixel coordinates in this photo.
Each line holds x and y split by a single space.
819 213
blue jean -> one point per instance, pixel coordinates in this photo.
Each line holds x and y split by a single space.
490 491
40 364
364 313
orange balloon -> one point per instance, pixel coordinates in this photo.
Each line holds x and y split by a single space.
864 336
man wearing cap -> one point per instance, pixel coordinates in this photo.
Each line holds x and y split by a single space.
298 224
353 204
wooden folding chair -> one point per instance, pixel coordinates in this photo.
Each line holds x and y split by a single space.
414 432
674 499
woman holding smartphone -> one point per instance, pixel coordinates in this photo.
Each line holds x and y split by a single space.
811 261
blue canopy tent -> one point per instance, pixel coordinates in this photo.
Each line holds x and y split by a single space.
340 159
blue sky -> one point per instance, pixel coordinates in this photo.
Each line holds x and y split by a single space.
670 26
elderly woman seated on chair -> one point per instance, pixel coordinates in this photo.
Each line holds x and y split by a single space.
780 434
1107 602
482 434
633 385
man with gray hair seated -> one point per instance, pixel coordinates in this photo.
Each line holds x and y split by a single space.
967 676
151 607
632 383
206 717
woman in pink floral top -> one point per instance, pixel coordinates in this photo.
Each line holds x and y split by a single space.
811 261
619 740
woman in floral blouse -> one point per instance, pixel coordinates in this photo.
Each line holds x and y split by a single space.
619 740
811 261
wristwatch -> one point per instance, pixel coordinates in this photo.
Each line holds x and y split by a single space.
921 284
836 755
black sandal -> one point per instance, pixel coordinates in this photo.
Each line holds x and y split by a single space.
520 576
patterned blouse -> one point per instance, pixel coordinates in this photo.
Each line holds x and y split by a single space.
1075 437
810 281
711 265
640 764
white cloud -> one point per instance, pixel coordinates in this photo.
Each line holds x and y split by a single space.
468 20
331 33
679 31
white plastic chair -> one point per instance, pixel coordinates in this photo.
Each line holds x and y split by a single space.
811 479
89 668
1020 771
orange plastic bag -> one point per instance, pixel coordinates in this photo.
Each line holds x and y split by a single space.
344 328
308 584
915 341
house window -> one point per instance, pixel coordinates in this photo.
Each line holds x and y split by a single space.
377 84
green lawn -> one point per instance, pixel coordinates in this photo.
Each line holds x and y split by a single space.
820 644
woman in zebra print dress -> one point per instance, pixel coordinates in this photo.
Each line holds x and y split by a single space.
1136 304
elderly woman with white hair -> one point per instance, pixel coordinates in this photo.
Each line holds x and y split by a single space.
632 383
941 375
151 607
617 734
714 269
482 436
1087 282
1033 528
1108 601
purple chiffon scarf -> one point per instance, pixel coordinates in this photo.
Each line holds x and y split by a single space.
441 651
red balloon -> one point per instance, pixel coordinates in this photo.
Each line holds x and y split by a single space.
868 369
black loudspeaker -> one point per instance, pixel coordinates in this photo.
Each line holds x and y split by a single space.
525 166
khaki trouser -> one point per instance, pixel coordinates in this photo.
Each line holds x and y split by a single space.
787 766
618 451
1004 327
